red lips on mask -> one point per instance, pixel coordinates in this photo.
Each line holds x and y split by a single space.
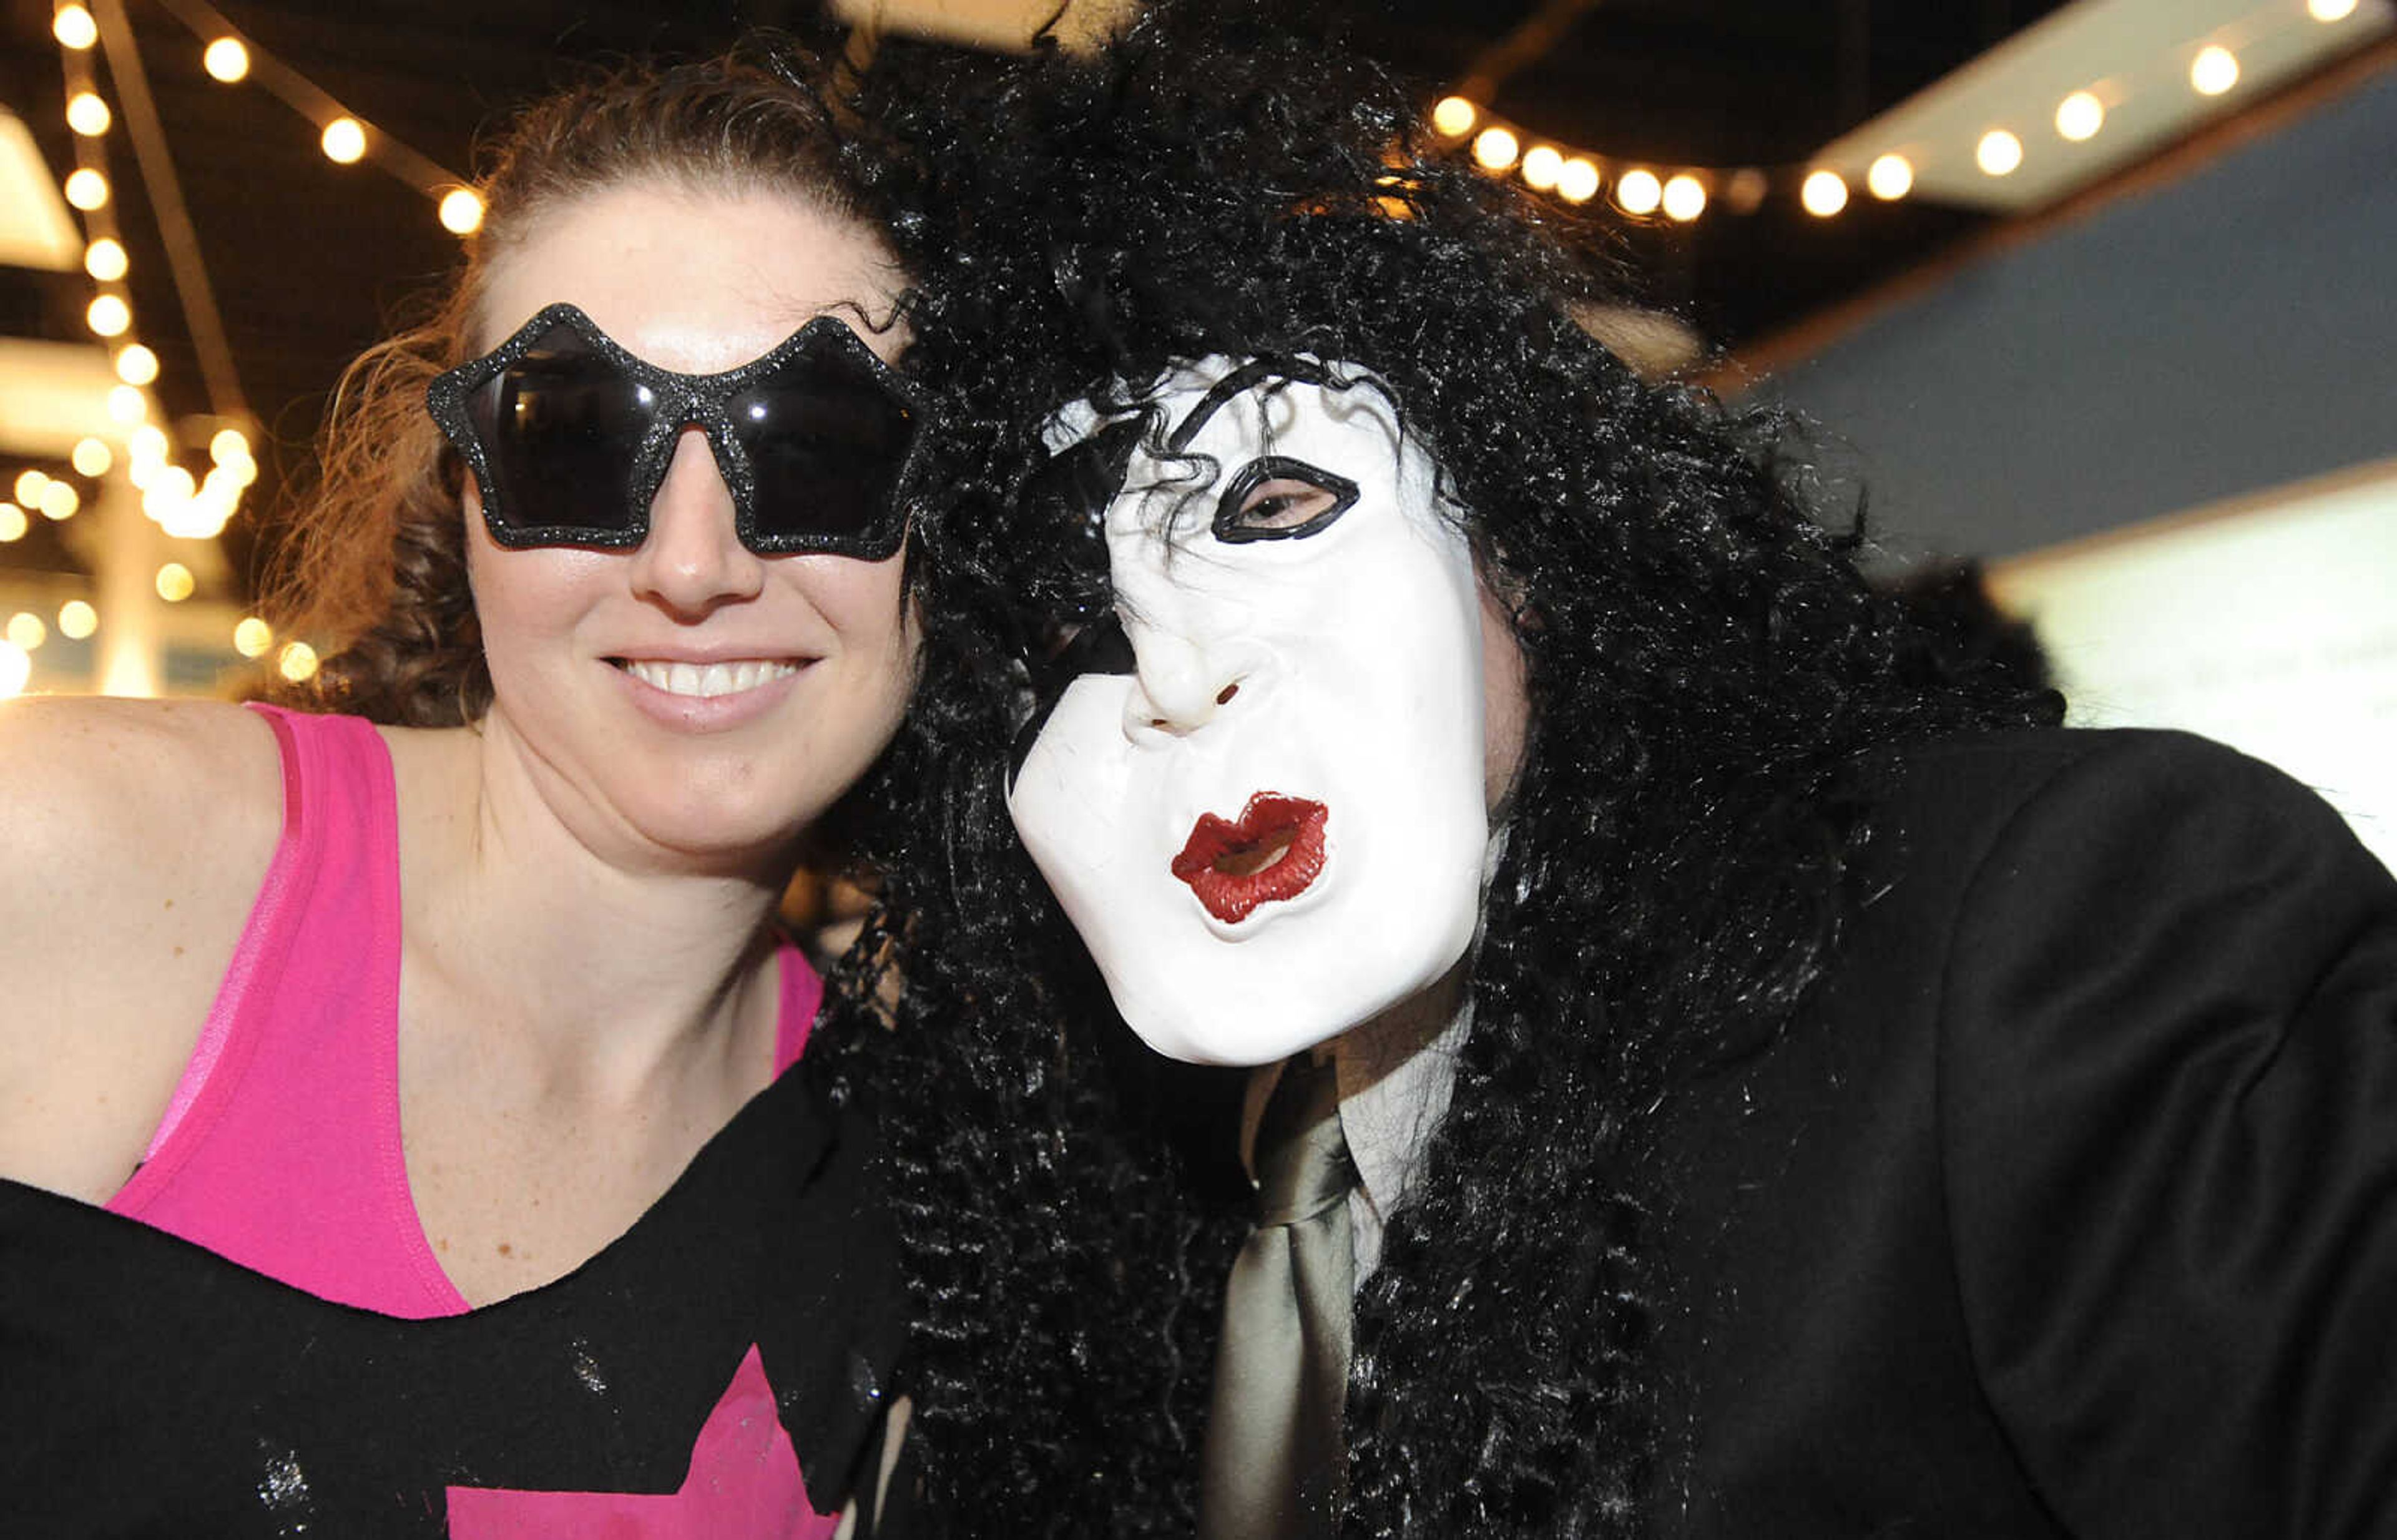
1275 850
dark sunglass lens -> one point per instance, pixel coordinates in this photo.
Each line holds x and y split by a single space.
825 438
564 426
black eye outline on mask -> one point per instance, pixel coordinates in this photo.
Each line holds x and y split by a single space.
1230 509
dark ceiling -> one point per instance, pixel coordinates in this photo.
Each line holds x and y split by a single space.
311 262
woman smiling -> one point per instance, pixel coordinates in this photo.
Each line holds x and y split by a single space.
458 1006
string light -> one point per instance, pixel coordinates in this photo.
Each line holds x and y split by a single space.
72 25
59 500
253 636
228 445
15 671
462 211
29 487
91 458
1496 149
2330 11
1890 177
2079 116
136 365
2213 71
1639 192
344 142
170 486
105 260
1542 166
226 60
1454 116
297 662
87 189
108 316
77 620
13 523
1685 197
126 405
1997 153
26 630
87 115
175 583
1823 193
1577 179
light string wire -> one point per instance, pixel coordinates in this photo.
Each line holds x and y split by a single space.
1680 192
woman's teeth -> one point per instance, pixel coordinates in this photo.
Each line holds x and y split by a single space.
708 679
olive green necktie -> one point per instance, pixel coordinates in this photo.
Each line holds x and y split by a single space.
1274 1463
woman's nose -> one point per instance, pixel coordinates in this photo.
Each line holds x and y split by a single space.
693 560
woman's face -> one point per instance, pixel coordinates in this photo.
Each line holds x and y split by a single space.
690 699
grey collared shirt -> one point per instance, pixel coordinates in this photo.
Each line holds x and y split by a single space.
1394 1086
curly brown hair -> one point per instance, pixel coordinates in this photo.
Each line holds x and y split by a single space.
375 562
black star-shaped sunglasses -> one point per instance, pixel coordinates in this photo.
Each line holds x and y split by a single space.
569 437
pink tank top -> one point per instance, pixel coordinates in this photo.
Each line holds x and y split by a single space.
281 1146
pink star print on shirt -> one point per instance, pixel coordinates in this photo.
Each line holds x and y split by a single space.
744 1481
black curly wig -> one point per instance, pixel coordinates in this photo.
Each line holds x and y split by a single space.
1706 675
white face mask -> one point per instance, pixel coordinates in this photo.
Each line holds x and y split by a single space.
1274 829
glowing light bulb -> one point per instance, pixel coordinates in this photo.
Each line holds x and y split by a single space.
147 444
87 189
1454 116
1823 193
1685 197
29 487
1890 177
253 636
298 662
59 500
1496 149
109 314
136 365
175 583
1577 179
2079 116
2330 11
91 457
26 630
77 620
1997 153
344 141
168 493
126 405
72 25
87 115
15 671
13 523
1639 192
105 260
229 444
2213 71
226 60
1542 166
462 211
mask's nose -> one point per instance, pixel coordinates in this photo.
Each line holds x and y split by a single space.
1180 684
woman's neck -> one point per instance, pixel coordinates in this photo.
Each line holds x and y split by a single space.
559 920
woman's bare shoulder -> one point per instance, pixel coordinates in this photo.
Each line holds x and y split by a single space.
137 834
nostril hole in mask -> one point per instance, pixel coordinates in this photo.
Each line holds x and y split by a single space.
1225 697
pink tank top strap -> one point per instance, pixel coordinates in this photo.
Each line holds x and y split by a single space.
281 1149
